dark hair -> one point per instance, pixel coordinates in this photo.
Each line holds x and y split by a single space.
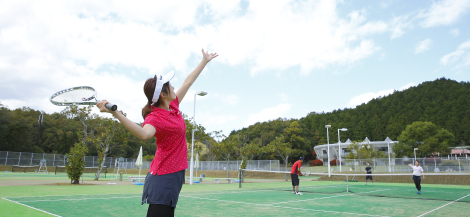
416 161
149 89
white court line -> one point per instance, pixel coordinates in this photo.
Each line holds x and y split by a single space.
32 207
78 199
72 195
284 207
293 201
443 206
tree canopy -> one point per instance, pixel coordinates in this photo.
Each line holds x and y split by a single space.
425 136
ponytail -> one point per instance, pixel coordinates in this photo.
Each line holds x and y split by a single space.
146 110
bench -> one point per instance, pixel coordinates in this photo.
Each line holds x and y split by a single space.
200 178
216 180
136 178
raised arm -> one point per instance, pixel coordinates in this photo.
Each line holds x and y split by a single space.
206 58
143 133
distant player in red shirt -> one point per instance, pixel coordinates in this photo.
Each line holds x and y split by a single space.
295 178
164 121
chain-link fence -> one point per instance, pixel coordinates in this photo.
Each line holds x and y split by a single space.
32 159
400 165
270 165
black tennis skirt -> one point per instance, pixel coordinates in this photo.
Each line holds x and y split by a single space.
163 189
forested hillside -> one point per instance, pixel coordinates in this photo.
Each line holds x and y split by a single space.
443 102
19 132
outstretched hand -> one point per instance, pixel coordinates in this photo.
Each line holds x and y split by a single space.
206 56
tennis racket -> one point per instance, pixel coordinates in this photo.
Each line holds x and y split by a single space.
83 95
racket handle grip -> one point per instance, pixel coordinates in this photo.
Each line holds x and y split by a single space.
111 107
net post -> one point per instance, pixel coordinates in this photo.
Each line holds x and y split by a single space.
240 179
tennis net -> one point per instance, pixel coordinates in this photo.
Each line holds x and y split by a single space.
445 187
25 169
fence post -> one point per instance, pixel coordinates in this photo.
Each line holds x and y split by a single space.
93 161
270 165
19 159
6 159
53 161
64 159
31 160
460 171
217 165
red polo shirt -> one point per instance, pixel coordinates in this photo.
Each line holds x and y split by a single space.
171 155
296 167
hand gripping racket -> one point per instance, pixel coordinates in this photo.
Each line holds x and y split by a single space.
83 95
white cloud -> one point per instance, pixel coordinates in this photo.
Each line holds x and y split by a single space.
438 14
455 32
41 41
461 56
443 12
423 45
231 99
366 97
268 114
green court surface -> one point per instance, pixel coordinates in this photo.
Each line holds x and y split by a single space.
320 198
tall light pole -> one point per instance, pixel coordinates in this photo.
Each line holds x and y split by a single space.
328 152
414 150
191 167
339 147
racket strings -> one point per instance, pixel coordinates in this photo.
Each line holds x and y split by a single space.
77 95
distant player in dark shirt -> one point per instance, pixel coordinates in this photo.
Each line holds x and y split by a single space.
369 171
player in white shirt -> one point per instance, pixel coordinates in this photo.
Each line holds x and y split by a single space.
417 173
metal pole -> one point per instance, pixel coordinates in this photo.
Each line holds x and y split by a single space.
53 162
19 159
328 141
6 159
192 144
31 160
389 169
339 151
39 130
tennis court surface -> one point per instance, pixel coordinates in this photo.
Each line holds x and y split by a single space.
320 198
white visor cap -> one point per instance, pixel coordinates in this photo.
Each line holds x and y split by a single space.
161 80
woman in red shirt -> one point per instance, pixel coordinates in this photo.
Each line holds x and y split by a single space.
164 121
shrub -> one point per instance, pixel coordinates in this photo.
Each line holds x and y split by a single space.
316 163
430 160
333 162
76 163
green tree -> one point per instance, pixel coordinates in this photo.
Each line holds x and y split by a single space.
109 132
83 115
224 149
76 162
278 147
425 136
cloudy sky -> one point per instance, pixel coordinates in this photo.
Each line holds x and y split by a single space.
277 58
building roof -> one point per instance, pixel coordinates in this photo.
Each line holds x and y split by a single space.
460 151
